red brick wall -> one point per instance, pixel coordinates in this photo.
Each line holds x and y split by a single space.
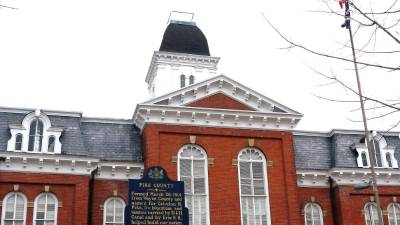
71 191
161 142
321 197
220 101
103 190
352 203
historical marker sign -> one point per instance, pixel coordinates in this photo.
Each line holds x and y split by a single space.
156 200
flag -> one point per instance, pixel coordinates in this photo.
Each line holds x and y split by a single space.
341 2
346 23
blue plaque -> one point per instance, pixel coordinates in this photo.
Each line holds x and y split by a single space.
156 200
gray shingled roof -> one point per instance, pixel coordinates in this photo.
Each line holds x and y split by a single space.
104 140
112 141
323 151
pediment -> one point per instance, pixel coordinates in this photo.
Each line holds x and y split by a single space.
219 98
220 101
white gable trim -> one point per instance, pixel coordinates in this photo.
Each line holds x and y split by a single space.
225 85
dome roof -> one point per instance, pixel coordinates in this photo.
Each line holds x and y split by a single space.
184 37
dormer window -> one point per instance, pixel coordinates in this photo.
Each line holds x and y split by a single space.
35 134
384 154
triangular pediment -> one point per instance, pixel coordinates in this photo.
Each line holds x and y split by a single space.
220 101
219 97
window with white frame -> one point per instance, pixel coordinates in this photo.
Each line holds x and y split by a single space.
35 134
253 185
384 154
371 214
394 213
14 209
45 211
114 211
192 169
313 214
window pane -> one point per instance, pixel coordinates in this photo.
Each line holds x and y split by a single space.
244 169
364 159
378 156
50 147
198 168
18 142
389 160
199 186
185 167
258 170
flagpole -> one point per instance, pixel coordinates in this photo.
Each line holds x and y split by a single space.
369 142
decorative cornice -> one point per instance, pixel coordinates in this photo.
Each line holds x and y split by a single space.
47 112
214 117
71 165
346 177
180 59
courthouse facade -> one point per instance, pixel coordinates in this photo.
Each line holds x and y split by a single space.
242 161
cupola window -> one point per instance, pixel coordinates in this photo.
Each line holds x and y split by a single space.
35 135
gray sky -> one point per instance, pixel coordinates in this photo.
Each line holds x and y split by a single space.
92 56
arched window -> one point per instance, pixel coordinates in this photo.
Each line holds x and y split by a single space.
114 211
364 159
35 135
183 81
394 214
18 142
52 140
14 209
192 169
253 187
45 211
371 214
313 214
191 79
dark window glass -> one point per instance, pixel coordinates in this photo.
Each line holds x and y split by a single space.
364 159
378 156
35 135
183 81
191 79
389 160
52 139
18 142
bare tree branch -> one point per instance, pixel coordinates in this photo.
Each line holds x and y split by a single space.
391 68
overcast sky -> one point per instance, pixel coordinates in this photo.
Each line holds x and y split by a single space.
92 56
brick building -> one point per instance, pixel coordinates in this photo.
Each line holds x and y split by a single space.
236 149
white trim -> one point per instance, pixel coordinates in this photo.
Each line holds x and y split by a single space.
221 84
214 117
4 206
346 177
105 209
264 161
48 112
71 165
338 131
311 204
55 205
179 59
191 176
106 120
